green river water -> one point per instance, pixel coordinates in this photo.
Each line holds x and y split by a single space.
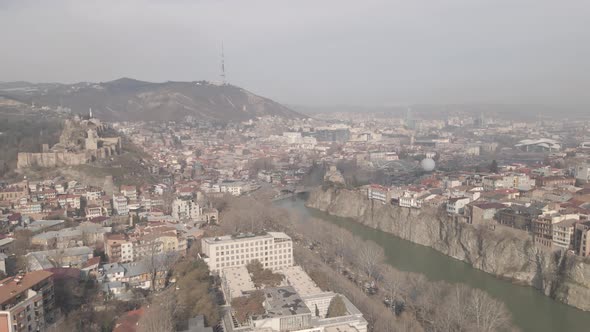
531 310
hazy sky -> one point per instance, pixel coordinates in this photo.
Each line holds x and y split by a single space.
313 52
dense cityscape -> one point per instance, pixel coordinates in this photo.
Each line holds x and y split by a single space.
294 166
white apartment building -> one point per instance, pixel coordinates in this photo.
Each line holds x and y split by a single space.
411 200
234 188
582 173
274 250
379 193
508 181
457 205
186 209
127 254
120 205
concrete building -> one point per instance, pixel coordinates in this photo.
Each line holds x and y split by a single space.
480 213
378 193
582 173
273 250
563 234
118 248
120 205
27 302
457 205
543 229
582 238
508 181
183 209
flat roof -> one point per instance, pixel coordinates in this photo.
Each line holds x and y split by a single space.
12 286
283 301
237 280
245 237
340 328
300 281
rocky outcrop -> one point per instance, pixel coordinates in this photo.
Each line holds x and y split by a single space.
503 252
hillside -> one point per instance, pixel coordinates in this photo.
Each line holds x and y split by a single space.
129 99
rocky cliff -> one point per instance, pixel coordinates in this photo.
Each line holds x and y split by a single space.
503 252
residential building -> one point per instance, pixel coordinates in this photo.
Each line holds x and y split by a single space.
518 216
129 191
582 173
480 213
543 229
27 302
118 248
120 205
457 205
555 181
134 274
378 193
582 238
563 234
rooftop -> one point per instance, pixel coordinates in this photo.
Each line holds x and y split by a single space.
245 237
300 281
283 301
12 286
237 281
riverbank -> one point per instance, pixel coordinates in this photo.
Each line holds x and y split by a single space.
502 253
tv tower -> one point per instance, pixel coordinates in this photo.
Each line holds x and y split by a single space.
223 79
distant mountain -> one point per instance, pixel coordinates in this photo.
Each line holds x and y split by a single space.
129 99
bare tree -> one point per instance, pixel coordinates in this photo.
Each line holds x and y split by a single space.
486 313
158 263
159 316
369 256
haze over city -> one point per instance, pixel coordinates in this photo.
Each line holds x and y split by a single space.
312 52
294 166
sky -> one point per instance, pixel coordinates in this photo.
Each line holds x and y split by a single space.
312 52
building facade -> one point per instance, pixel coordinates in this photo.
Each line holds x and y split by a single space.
273 250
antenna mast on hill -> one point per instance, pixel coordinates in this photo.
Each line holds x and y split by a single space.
223 80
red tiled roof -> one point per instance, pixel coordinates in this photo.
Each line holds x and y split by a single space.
128 322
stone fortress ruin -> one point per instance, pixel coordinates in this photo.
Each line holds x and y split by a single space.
81 141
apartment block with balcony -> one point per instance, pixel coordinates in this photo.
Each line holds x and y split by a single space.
27 302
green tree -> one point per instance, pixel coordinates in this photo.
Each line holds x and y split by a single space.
337 307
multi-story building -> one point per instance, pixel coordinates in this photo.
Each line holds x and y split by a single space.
543 229
555 181
563 234
120 205
93 211
517 216
378 193
479 213
508 181
129 191
457 205
186 209
27 302
582 173
118 248
273 250
14 193
582 238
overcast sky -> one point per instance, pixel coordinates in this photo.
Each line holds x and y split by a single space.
312 52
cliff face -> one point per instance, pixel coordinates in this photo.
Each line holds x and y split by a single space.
502 252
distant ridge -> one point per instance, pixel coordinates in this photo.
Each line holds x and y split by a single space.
131 99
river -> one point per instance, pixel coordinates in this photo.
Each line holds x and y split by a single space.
531 310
